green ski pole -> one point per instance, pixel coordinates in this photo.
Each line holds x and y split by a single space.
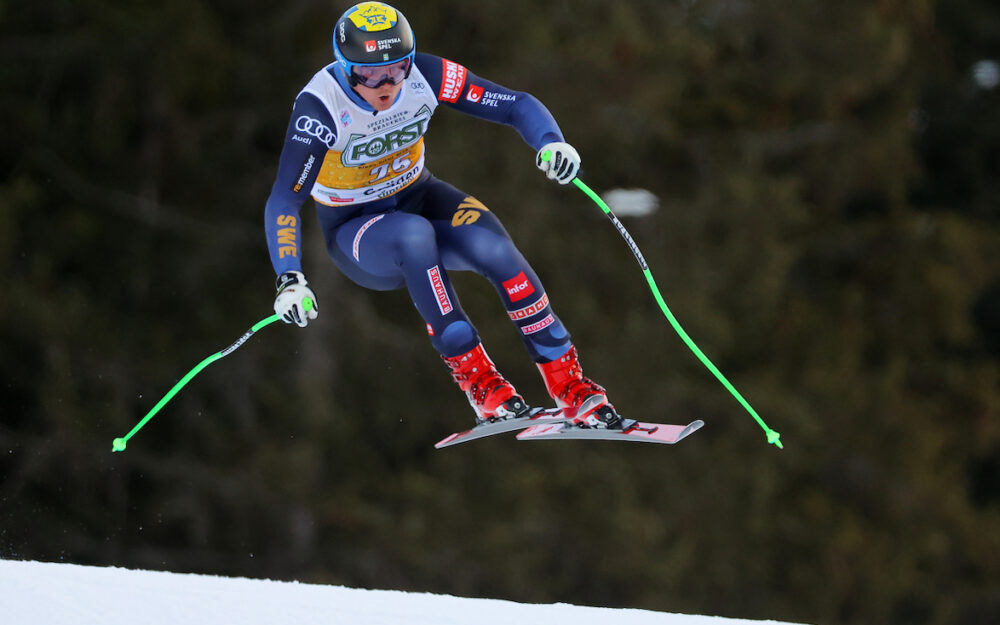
119 444
773 437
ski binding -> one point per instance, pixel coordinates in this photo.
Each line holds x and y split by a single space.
534 417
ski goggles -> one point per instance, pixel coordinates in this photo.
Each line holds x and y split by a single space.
374 76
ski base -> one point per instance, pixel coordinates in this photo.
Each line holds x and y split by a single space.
536 417
636 431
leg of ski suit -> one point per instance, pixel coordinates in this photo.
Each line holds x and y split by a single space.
435 229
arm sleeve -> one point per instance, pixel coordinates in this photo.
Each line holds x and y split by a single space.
460 89
310 133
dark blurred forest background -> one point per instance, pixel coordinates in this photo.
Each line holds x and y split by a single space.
828 233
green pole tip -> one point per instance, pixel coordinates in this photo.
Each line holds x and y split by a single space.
118 444
774 438
307 304
547 155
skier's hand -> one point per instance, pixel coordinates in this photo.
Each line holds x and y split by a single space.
559 161
295 301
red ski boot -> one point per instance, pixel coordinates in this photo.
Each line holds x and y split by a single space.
567 385
492 397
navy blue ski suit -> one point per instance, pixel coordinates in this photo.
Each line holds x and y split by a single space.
387 221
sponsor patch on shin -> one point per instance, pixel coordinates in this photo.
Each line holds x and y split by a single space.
441 293
538 327
518 287
529 311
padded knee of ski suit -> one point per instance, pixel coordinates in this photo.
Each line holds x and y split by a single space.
458 337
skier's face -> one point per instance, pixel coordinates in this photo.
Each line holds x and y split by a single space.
380 98
379 84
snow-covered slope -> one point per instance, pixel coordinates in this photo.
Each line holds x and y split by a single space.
35 593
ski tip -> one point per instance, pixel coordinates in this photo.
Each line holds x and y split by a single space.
450 440
691 427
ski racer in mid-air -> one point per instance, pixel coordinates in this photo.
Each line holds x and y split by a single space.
355 145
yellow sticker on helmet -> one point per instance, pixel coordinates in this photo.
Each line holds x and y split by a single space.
373 16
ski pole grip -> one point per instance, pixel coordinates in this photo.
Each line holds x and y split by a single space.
307 303
547 156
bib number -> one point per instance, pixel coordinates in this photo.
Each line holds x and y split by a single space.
398 166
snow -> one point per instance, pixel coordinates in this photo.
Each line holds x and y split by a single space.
68 594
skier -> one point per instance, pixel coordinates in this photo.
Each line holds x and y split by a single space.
355 144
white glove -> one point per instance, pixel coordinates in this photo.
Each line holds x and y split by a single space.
295 302
559 161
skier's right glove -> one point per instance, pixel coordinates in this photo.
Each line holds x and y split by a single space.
295 301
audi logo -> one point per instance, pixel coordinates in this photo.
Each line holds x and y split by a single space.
315 128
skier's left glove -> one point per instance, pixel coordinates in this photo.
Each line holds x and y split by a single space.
562 162
295 301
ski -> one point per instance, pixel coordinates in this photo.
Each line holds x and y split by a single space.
637 431
535 417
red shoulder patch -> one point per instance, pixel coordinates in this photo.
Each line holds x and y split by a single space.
453 78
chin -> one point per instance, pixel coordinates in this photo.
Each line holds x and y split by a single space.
375 101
